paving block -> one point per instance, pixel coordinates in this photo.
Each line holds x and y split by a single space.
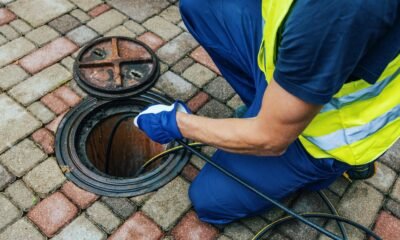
41 112
39 12
80 197
54 103
392 157
255 224
21 26
14 50
182 65
175 86
134 27
162 27
82 35
40 84
21 195
52 213
81 228
393 207
120 31
103 216
65 23
139 227
141 199
8 212
106 21
2 40
9 32
169 203
42 35
22 157
15 124
197 162
189 172
68 96
339 186
199 75
220 89
5 177
201 56
80 15
395 194
48 55
139 10
152 40
383 179
387 226
44 178
223 237
176 49
237 231
68 63
20 230
6 16
100 9
121 206
53 125
45 139
215 109
171 14
198 101
86 5
11 75
190 227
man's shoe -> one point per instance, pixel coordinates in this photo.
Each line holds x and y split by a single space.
362 172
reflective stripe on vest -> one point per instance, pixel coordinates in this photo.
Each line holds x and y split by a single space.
361 121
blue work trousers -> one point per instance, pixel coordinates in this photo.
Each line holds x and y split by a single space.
231 32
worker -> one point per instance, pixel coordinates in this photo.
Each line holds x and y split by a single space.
321 84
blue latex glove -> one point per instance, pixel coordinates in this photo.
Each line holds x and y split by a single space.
159 121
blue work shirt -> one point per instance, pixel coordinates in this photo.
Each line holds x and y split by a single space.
325 43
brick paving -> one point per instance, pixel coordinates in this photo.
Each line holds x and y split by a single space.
39 40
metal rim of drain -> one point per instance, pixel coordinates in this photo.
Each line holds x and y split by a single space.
106 101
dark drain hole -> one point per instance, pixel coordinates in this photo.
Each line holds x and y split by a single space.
129 148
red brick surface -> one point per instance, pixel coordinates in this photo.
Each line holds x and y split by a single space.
99 10
138 227
79 196
53 213
201 56
198 101
154 41
6 16
191 228
190 172
68 96
53 125
387 227
48 55
54 103
45 139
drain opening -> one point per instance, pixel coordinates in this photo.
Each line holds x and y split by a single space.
117 148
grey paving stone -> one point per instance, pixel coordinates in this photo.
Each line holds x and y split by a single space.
43 82
237 231
21 230
106 21
383 179
86 4
177 48
121 206
276 213
80 228
182 65
21 195
141 199
220 89
392 157
103 216
339 186
21 26
82 35
2 40
183 26
22 157
42 35
41 112
134 27
68 63
393 207
171 14
5 177
9 32
255 224
65 23
8 212
169 203
235 102
11 75
80 15
278 236
223 237
162 27
15 123
120 31
197 162
14 50
72 84
198 75
139 10
39 12
175 86
215 109
44 178
395 194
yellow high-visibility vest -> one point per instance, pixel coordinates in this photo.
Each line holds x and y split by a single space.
361 121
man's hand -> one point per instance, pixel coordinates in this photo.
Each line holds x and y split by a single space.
159 122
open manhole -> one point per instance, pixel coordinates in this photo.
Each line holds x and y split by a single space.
97 144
